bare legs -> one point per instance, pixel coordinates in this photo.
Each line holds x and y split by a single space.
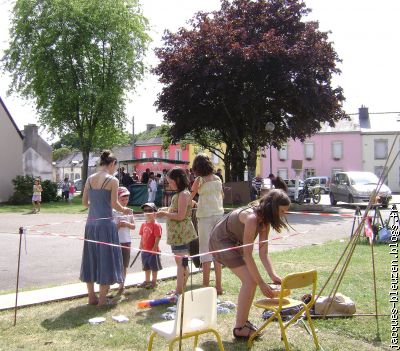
245 298
218 275
182 273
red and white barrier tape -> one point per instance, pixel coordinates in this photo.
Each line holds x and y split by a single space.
68 236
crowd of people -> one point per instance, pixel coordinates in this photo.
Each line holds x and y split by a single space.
201 188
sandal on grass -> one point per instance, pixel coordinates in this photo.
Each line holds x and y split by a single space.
251 329
143 285
171 292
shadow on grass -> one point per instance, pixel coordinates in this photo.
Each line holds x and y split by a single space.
75 317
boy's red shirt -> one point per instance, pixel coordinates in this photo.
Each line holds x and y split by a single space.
149 232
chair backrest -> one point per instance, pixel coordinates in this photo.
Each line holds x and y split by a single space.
300 280
200 305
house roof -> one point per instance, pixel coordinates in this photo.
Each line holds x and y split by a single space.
151 141
343 125
383 123
76 156
10 117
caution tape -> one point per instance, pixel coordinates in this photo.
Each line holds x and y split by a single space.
163 253
322 214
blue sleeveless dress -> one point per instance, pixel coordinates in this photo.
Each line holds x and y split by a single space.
101 264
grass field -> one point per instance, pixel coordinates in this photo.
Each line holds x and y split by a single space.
54 207
64 325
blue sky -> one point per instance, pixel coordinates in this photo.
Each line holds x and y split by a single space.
365 33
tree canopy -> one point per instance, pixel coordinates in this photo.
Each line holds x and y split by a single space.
249 63
77 59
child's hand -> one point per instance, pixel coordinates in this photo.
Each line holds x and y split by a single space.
123 224
160 214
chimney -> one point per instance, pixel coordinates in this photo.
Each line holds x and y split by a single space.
363 117
149 127
31 137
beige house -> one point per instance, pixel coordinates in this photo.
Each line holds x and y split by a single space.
378 132
11 149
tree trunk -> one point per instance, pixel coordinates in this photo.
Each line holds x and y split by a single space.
238 165
252 163
85 166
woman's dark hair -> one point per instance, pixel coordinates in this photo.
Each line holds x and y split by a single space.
178 175
279 183
107 158
202 165
268 208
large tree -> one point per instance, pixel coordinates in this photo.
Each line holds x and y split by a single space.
252 62
77 59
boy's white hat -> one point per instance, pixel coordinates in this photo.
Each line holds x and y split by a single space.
151 205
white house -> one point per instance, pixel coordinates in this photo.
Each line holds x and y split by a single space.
11 145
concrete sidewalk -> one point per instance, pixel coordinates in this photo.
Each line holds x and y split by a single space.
64 292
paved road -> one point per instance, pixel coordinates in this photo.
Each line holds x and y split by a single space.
56 260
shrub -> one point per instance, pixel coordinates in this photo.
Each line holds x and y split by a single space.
23 189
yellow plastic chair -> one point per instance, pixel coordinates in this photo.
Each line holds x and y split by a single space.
199 317
276 305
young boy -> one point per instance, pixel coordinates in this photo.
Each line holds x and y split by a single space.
125 223
150 233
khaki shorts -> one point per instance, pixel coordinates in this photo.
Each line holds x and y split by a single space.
205 227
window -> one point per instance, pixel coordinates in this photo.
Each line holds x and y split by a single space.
378 172
283 173
142 154
309 172
334 171
215 159
337 150
178 155
154 154
309 150
77 176
283 153
166 154
380 149
66 175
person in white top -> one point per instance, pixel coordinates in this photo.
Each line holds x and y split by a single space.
209 211
152 188
125 223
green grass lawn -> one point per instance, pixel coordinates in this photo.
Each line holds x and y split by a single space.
54 207
63 325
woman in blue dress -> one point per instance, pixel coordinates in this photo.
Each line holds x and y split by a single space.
102 264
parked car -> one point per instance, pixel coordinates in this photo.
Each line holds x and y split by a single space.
322 181
291 183
357 187
78 184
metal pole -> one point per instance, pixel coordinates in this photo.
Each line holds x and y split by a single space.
270 158
21 231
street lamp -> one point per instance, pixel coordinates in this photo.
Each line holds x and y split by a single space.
269 127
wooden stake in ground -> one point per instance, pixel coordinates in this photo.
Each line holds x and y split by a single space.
21 231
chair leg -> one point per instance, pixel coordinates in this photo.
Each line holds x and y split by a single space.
314 334
196 340
283 332
220 345
258 331
150 347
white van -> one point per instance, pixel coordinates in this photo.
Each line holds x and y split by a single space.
357 187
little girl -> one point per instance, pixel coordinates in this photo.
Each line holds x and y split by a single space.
71 190
180 229
37 196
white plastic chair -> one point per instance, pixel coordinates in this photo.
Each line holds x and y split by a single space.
199 317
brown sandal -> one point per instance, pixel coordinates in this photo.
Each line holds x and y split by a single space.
251 328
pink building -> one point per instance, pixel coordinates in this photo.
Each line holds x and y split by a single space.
152 148
329 151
